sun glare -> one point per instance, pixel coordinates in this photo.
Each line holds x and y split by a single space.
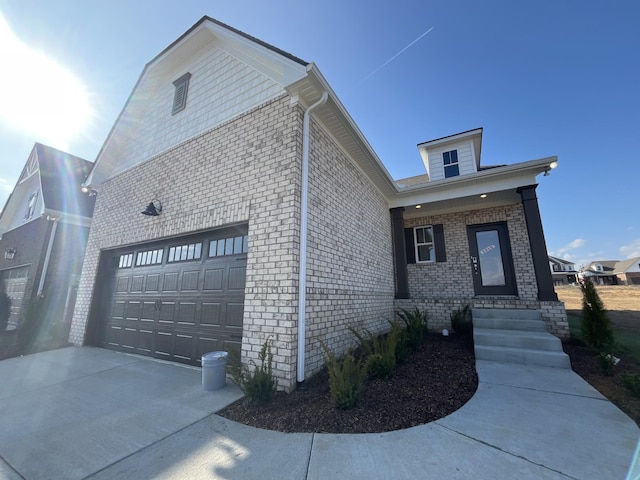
41 98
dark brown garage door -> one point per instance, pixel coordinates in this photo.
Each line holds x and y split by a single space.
178 299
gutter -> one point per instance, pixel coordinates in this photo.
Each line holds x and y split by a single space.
302 282
47 257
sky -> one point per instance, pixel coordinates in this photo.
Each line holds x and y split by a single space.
543 78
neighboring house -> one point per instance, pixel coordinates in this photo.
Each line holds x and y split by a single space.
613 272
600 272
267 215
43 232
563 272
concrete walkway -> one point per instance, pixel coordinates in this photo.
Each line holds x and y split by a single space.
85 412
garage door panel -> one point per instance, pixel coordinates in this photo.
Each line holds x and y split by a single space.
113 335
235 312
167 311
170 283
122 284
236 278
206 344
148 311
136 283
189 281
183 347
145 341
152 283
210 314
187 313
117 310
163 343
129 338
132 310
213 279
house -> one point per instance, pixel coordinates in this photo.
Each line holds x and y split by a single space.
613 272
43 232
563 272
237 201
600 272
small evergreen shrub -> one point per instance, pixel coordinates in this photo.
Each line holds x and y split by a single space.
596 327
5 308
403 349
258 384
380 351
606 362
416 326
346 376
631 382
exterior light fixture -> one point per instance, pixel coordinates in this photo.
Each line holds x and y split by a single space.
418 206
484 195
10 253
153 209
550 167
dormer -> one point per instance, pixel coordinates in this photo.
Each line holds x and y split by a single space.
452 156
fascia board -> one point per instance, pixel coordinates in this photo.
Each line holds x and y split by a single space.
487 181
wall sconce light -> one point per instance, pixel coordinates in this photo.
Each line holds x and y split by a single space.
87 189
153 209
10 253
547 169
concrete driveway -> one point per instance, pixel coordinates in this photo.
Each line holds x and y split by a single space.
85 412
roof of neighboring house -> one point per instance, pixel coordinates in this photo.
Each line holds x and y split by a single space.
61 175
560 260
608 266
623 266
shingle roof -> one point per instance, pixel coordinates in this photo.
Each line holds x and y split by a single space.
622 266
62 175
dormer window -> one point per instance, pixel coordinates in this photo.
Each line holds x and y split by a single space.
180 94
450 160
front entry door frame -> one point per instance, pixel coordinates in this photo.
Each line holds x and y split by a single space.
491 259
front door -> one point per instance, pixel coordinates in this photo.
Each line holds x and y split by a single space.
491 261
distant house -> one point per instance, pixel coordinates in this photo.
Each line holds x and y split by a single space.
628 271
267 215
601 272
563 272
43 232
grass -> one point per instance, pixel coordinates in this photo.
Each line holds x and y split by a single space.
625 343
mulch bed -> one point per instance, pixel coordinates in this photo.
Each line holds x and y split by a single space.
438 379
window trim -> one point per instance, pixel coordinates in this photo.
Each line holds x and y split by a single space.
180 93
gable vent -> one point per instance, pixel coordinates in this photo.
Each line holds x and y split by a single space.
180 95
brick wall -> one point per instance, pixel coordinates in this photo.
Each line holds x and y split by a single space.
350 262
443 287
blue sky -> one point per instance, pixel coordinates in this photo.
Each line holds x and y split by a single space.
550 77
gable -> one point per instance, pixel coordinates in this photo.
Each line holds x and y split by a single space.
229 74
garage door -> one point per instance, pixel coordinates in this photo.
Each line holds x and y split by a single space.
15 282
178 299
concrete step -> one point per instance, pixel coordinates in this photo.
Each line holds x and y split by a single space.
531 340
522 356
508 319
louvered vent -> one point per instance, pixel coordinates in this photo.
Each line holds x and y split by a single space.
180 95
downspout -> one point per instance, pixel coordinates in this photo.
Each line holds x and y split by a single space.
302 282
47 257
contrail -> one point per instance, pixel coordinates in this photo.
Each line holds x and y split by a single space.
393 58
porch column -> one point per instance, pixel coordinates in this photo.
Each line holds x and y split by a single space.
538 245
399 252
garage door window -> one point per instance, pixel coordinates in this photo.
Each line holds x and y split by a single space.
182 253
125 260
228 246
149 257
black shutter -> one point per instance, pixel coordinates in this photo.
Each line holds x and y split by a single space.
438 240
410 245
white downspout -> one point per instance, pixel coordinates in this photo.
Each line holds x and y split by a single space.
302 283
47 257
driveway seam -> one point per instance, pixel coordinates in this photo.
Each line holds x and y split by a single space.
313 438
531 389
12 467
505 451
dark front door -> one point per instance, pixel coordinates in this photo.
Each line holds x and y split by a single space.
491 261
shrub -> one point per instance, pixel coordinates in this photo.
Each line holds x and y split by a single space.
345 378
258 384
631 382
403 349
5 308
606 362
596 327
416 326
380 351
459 322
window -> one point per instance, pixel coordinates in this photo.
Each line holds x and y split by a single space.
31 205
149 257
556 268
450 160
180 94
125 261
425 251
181 253
229 246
